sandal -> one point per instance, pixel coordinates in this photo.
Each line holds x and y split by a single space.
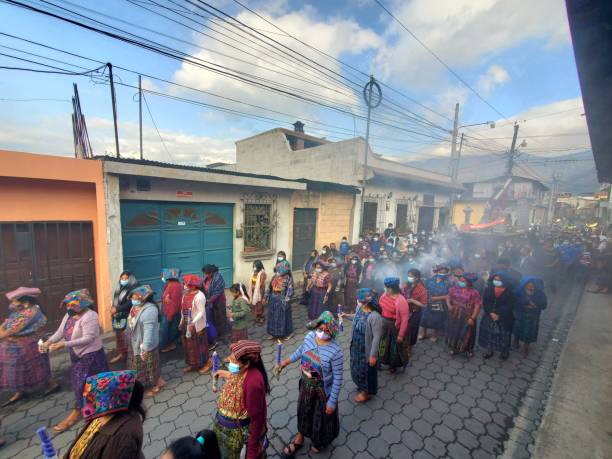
14 399
292 448
52 390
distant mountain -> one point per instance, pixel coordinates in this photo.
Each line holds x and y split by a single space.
576 170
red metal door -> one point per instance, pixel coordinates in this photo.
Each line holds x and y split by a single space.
56 257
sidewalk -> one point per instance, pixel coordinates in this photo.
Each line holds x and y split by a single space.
577 420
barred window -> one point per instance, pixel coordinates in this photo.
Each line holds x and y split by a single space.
258 227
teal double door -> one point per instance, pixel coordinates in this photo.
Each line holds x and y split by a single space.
181 235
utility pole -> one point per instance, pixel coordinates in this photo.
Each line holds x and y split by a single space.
510 165
140 112
454 139
455 175
552 198
371 103
114 102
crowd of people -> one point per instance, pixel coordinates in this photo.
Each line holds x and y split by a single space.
395 289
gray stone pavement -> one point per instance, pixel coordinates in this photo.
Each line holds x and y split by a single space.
442 406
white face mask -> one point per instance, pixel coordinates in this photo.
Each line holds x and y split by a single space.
280 258
319 270
322 335
410 279
333 265
354 262
371 259
375 239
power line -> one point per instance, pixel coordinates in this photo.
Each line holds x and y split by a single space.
156 128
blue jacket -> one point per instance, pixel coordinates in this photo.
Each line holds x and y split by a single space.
144 329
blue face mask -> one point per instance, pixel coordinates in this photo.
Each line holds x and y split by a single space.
497 283
136 302
233 368
461 284
442 275
124 283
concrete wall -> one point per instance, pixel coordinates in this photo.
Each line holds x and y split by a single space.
334 214
203 192
458 216
51 188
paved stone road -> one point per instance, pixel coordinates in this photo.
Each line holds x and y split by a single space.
441 406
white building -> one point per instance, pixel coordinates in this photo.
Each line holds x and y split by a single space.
409 198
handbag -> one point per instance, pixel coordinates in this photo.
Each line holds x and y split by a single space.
119 324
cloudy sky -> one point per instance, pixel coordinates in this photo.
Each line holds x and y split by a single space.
517 56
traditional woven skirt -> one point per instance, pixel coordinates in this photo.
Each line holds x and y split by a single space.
168 330
280 321
148 370
220 316
238 335
87 365
434 317
258 309
313 422
493 336
232 435
413 326
364 376
350 294
22 367
121 342
391 352
196 349
526 325
316 303
460 336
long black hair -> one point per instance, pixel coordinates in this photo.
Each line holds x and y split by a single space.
239 288
203 446
258 265
136 400
256 362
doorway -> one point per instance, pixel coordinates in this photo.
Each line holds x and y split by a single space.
426 218
304 235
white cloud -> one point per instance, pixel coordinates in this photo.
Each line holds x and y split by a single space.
463 33
52 135
336 37
495 76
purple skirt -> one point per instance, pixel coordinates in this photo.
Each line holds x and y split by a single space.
22 367
82 367
316 304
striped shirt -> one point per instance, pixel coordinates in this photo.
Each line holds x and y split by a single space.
332 363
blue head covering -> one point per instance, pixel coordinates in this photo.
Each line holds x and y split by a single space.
171 273
363 292
392 282
539 296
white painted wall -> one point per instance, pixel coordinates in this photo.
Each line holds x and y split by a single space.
163 189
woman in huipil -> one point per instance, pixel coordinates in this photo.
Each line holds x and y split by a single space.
240 422
336 273
193 326
280 290
238 313
113 411
367 273
463 309
529 303
352 272
416 295
320 288
120 310
258 291
396 315
322 362
143 328
172 296
214 289
434 316
80 333
22 366
365 343
496 324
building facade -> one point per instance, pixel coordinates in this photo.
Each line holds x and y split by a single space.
409 198
53 229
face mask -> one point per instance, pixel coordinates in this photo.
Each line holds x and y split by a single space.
410 260
343 240
477 255
333 265
354 262
123 283
136 302
164 280
71 312
233 368
254 269
461 284
322 335
375 239
442 275
280 258
319 270
497 283
410 279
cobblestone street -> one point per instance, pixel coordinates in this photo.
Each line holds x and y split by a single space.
441 406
